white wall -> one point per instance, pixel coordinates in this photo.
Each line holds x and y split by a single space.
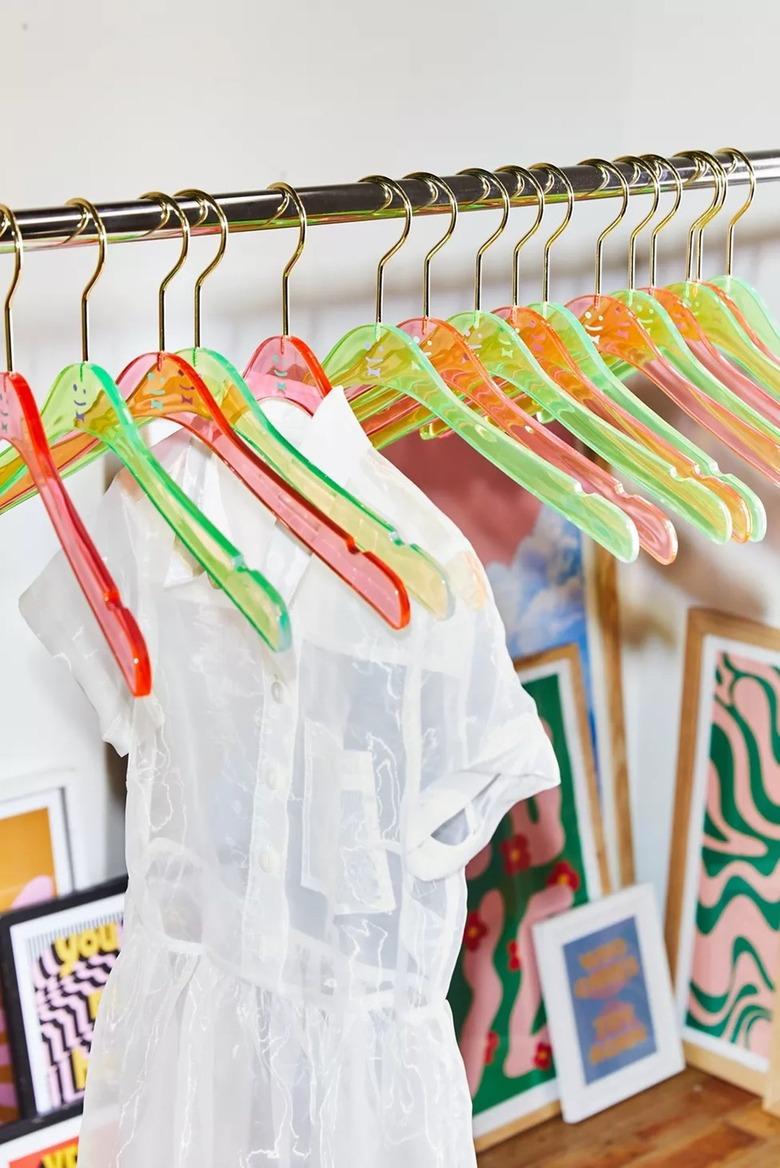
108 100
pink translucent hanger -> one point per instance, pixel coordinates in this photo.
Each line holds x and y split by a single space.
21 426
284 366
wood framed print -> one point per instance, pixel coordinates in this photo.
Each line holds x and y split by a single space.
723 911
51 1143
546 857
35 865
614 1027
55 959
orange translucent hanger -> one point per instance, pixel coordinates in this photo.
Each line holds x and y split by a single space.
634 328
21 426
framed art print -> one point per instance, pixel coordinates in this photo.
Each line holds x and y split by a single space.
723 911
614 1030
55 959
35 865
547 856
51 1143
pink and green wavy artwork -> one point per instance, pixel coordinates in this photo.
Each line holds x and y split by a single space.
737 940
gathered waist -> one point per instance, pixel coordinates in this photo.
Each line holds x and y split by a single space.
414 1004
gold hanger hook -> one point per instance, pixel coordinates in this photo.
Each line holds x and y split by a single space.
740 155
90 211
606 169
168 204
10 221
563 178
657 161
290 196
391 188
523 176
639 165
206 203
693 254
487 179
434 184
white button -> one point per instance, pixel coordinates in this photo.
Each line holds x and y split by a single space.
268 861
274 779
277 690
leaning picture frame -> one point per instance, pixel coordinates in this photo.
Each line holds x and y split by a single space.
722 927
613 1026
50 1142
546 856
55 959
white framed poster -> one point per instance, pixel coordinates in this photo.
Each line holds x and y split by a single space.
52 1144
608 991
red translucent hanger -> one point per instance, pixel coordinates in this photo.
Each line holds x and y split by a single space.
21 426
164 385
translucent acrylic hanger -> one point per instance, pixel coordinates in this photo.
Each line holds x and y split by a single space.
515 343
724 327
656 533
384 357
569 353
21 426
683 319
632 326
86 400
743 301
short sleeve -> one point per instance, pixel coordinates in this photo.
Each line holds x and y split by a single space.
58 613
491 748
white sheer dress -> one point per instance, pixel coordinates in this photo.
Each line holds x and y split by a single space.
297 831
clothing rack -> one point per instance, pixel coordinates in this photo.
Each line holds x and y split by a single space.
353 202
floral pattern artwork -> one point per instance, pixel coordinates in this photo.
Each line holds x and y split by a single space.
533 868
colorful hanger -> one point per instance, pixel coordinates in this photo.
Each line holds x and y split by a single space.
747 516
516 342
632 326
86 400
741 298
725 327
656 533
380 357
22 428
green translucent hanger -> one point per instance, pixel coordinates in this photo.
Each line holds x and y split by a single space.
708 305
379 357
686 459
742 299
633 326
84 398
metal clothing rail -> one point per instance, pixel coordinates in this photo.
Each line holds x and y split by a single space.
351 203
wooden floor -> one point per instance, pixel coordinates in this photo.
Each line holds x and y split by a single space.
691 1121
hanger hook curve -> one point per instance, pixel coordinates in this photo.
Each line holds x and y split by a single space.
657 161
206 203
90 211
703 160
167 205
488 179
523 175
290 196
563 179
11 223
391 188
639 165
435 183
608 168
737 155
